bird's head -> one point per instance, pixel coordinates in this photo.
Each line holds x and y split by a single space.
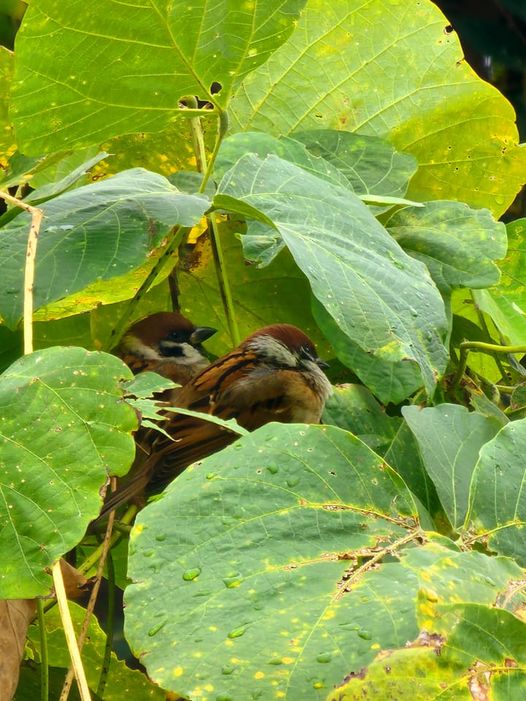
285 346
167 335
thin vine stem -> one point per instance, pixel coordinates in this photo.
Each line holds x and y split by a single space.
481 347
222 128
106 661
206 167
44 658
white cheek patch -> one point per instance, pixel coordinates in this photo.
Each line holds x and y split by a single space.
137 347
191 356
269 347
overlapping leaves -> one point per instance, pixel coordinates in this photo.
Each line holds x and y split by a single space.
381 299
93 233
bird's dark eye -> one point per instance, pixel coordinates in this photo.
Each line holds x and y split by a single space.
178 336
307 353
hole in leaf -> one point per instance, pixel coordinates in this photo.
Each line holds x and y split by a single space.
448 29
215 88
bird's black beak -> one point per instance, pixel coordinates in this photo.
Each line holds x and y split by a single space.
321 363
200 334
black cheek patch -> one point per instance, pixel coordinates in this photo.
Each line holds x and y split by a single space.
171 351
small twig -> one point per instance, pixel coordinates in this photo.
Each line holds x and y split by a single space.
376 558
69 632
44 662
91 604
29 273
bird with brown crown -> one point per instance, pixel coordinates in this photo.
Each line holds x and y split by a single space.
166 343
273 375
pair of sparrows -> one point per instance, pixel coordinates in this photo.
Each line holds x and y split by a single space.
273 375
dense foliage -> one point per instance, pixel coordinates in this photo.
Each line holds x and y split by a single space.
338 166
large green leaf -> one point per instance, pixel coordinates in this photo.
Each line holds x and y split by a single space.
397 72
498 500
252 575
283 506
506 302
154 53
93 233
354 408
63 428
450 438
381 299
459 245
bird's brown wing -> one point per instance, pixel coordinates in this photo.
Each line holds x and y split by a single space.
224 390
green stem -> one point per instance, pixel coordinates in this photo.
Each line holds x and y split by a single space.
44 659
121 325
222 128
109 627
225 289
92 560
482 347
222 280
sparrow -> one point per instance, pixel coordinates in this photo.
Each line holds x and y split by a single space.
166 343
273 375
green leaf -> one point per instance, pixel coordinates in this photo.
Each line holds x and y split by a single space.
506 302
63 429
354 408
459 245
289 149
467 326
497 507
390 382
93 233
371 165
252 574
403 455
146 383
122 681
342 68
450 439
384 301
154 55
